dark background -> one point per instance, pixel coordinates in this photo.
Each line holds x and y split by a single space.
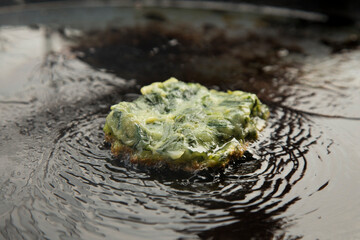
338 12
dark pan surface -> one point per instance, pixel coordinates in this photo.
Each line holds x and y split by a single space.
60 72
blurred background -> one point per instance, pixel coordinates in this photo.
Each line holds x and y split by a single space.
344 12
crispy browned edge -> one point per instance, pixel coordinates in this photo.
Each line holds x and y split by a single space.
164 161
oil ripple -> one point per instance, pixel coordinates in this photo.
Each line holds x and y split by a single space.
85 190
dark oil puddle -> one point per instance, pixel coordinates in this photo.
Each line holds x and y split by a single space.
64 184
207 55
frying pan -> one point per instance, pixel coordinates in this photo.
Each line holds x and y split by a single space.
64 64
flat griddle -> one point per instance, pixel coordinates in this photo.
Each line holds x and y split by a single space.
63 66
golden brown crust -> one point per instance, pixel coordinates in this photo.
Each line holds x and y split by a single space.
194 165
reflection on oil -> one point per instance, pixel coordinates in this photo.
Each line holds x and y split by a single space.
64 183
81 176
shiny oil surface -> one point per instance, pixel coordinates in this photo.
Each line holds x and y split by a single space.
58 179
